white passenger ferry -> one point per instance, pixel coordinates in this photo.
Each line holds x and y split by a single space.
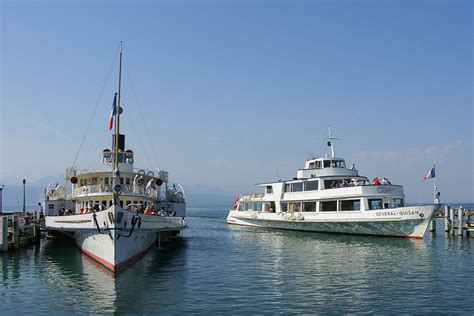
115 213
326 196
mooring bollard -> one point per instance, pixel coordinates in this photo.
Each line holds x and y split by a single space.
460 220
451 220
4 233
16 232
446 218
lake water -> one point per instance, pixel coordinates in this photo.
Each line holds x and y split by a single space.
237 270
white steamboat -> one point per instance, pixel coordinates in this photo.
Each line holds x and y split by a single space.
327 197
104 210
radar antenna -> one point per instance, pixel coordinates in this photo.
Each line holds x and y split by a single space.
330 142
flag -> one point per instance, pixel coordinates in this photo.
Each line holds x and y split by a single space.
430 174
236 203
113 112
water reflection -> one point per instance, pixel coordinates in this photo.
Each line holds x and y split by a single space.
229 269
330 271
89 287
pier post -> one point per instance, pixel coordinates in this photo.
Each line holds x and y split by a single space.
451 220
460 220
433 225
446 218
4 233
16 232
37 233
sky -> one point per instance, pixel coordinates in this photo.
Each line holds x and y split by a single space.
226 94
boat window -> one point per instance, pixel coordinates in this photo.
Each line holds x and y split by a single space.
318 164
349 205
294 207
311 165
121 180
375 204
284 207
342 164
127 181
287 187
259 207
398 203
297 187
328 206
241 206
327 163
311 185
332 184
106 181
268 189
104 203
309 207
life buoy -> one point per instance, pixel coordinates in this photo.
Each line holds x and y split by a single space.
150 174
141 171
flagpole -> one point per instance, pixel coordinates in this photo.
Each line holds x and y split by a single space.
434 185
117 121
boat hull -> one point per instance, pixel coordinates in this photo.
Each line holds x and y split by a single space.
409 222
115 237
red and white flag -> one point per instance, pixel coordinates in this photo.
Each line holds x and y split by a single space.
236 203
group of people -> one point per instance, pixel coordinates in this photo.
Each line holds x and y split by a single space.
64 211
354 182
151 210
377 181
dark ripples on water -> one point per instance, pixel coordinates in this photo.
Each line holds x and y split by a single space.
238 270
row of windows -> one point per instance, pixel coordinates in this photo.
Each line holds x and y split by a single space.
324 206
326 164
302 186
106 181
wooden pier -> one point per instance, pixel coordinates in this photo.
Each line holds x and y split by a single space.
17 231
457 221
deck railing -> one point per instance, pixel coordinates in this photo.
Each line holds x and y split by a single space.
106 189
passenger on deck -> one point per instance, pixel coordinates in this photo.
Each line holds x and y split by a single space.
333 185
150 209
81 211
366 182
62 211
376 181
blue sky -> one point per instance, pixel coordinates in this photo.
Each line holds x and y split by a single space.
234 92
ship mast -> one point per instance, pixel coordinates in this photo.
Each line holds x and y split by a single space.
331 142
117 124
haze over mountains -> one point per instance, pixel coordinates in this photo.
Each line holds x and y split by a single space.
196 195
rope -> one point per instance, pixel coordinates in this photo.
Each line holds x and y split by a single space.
141 115
95 108
130 119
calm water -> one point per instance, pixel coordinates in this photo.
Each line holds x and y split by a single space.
235 270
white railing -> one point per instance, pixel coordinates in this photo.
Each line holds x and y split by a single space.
106 189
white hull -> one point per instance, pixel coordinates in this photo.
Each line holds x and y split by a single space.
410 222
116 237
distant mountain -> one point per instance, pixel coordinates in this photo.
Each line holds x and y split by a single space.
195 195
